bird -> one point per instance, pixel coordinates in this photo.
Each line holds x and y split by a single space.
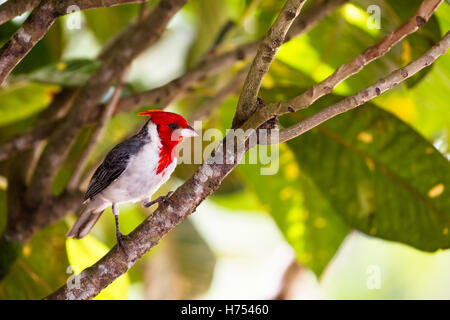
133 171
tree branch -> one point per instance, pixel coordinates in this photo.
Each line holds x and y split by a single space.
146 33
204 182
264 57
164 95
37 25
11 9
289 280
180 204
369 93
167 93
419 18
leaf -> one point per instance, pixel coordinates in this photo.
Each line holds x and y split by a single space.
70 73
87 251
41 268
22 100
183 268
237 201
379 174
282 74
304 216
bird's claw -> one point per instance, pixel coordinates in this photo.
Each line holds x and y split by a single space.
161 199
120 242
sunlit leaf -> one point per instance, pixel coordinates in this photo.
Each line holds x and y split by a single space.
304 216
380 175
22 100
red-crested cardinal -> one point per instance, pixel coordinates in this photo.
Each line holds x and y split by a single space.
133 170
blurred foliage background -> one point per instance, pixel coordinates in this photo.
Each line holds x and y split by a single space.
340 209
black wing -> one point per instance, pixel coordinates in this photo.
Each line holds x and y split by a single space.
115 163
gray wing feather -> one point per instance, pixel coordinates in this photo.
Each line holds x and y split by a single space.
115 163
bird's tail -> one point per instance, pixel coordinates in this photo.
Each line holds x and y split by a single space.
90 213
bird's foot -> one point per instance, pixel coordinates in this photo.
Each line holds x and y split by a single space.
161 199
120 242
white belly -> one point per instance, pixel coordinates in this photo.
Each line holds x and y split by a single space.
139 181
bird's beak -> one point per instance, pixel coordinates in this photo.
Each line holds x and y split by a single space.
188 132
184 133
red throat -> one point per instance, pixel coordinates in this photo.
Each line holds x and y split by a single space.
167 155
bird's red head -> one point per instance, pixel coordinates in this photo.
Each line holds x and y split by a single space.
172 128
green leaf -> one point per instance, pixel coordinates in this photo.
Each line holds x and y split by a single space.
282 74
378 173
237 201
41 268
21 100
304 216
87 251
70 73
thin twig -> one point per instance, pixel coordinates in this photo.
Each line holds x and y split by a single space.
264 57
419 18
382 85
11 9
37 25
289 280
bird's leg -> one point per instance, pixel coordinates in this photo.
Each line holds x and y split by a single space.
147 203
120 237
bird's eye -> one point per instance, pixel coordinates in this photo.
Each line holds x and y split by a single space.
173 126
